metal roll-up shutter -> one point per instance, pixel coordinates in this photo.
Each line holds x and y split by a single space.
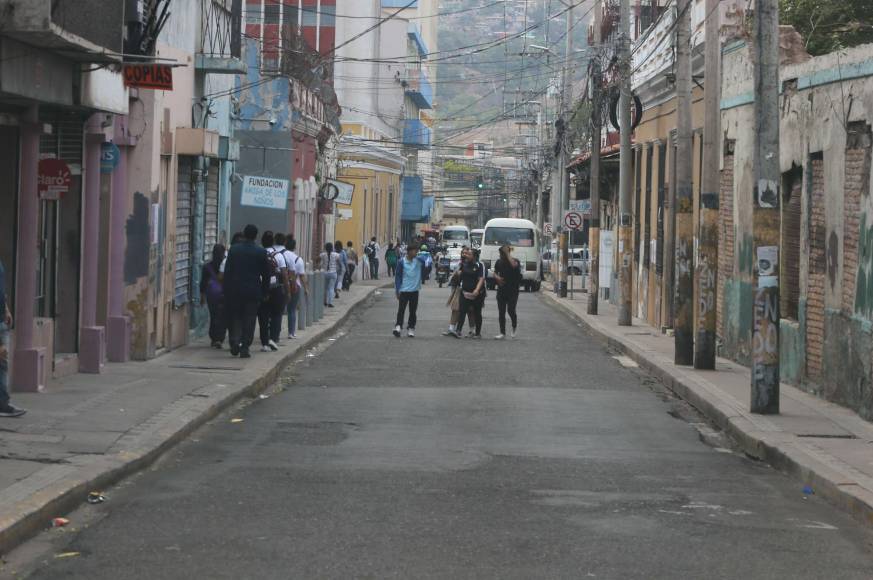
210 227
184 199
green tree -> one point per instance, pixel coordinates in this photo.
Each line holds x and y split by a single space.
829 25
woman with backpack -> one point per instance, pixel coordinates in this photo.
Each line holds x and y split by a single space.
330 261
212 293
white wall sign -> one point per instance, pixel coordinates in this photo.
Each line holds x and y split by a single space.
267 192
344 192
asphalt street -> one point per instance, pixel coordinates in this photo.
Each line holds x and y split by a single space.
432 457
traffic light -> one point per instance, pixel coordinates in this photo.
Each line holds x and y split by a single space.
480 183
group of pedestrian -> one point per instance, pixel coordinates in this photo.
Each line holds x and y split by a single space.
250 283
468 287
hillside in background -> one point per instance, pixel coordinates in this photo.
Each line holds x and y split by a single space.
502 59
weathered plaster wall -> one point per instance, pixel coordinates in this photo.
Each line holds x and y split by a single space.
827 109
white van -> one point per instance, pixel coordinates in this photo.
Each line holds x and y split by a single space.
522 235
453 239
476 237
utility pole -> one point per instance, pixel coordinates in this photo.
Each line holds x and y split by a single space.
625 224
594 227
706 270
566 105
765 210
683 300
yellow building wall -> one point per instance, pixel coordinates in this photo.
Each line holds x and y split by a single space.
375 207
656 126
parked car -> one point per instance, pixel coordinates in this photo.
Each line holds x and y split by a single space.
578 262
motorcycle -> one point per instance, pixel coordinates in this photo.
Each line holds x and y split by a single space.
443 270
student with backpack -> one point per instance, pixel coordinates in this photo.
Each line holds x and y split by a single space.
411 271
212 294
372 253
297 286
271 312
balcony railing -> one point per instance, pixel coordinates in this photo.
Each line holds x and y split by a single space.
220 46
418 87
416 134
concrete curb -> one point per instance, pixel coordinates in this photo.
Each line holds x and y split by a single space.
757 437
64 487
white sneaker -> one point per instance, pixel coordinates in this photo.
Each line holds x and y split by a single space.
397 331
500 337
513 333
265 348
291 337
273 346
410 332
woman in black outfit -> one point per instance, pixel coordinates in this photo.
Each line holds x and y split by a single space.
507 273
212 294
472 292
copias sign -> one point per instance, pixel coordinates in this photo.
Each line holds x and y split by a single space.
149 76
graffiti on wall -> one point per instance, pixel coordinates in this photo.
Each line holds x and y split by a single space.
864 282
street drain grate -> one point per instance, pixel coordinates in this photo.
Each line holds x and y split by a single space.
826 436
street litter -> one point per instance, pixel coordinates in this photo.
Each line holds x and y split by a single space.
237 420
96 497
60 522
262 397
68 554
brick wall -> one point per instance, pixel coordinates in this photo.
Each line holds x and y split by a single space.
725 232
858 151
815 301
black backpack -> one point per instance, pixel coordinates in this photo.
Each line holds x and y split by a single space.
275 270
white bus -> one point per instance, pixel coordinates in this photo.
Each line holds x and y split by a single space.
522 235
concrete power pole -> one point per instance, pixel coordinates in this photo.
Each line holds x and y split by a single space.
683 300
566 105
766 220
625 223
706 270
594 229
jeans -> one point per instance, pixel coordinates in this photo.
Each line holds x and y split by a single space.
410 298
473 310
347 279
291 309
270 316
217 320
242 315
4 366
329 287
392 269
374 268
507 301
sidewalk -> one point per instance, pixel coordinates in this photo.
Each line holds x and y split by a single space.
88 431
825 446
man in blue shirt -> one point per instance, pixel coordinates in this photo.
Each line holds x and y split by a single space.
411 270
6 408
